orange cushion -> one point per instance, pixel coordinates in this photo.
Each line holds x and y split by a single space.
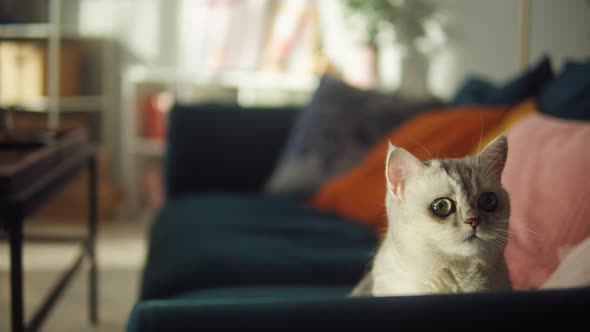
447 133
516 113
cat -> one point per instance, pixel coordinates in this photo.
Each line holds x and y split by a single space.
447 225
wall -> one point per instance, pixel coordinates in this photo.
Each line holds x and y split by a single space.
135 24
562 28
481 37
485 38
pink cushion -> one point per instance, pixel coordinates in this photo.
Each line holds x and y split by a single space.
574 270
547 175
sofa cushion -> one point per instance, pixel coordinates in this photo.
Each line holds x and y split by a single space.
568 95
263 293
547 177
213 241
526 84
334 132
573 269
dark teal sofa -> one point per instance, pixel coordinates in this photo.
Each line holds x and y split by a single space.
224 256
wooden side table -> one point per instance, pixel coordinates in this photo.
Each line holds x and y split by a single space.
28 177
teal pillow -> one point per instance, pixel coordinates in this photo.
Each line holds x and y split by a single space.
333 133
568 95
473 91
478 91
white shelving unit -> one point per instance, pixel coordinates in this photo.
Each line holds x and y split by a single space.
88 103
148 147
53 32
36 30
244 81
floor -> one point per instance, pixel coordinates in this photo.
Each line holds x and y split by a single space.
121 253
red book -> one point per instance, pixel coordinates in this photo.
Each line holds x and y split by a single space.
156 107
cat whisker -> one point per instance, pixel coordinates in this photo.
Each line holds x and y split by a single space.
497 236
480 132
425 149
477 159
529 232
499 232
489 167
500 243
519 226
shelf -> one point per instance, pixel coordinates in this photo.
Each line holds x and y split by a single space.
239 79
35 31
256 80
149 147
67 104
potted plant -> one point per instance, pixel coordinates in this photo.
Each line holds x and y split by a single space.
408 21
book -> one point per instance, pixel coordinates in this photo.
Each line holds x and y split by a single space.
155 114
294 38
249 22
304 52
218 32
24 71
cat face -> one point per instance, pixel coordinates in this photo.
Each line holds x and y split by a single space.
457 206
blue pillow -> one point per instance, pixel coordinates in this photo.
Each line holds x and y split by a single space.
473 91
334 132
568 96
478 91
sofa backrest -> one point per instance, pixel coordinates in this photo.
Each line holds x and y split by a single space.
213 147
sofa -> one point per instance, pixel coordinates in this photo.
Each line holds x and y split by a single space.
230 250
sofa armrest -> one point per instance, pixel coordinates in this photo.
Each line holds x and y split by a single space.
223 148
493 311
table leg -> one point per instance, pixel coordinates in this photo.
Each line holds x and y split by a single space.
92 226
16 274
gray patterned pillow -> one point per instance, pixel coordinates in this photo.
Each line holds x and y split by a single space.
334 132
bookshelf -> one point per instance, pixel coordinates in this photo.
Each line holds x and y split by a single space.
66 94
51 37
36 30
85 103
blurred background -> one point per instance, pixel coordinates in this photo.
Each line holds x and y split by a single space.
123 63
116 67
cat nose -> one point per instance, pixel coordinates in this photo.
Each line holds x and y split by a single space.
473 222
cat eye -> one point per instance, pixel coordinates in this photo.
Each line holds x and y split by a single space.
487 202
442 207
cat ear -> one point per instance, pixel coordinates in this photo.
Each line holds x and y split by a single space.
494 155
400 166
